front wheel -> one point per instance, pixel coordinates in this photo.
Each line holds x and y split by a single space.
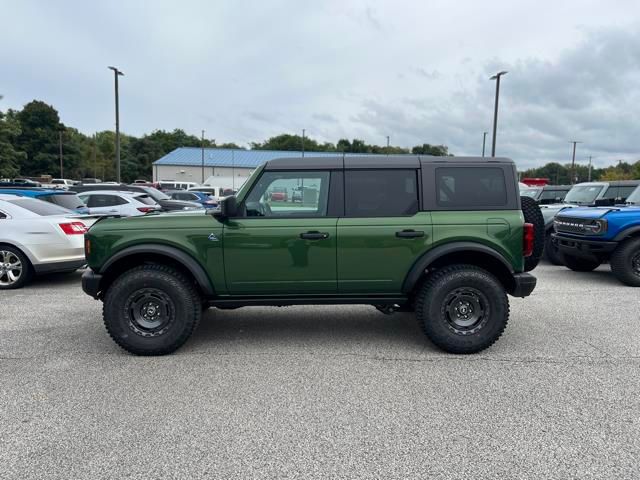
625 262
151 310
462 308
579 264
15 268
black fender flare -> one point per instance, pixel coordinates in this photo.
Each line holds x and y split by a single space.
421 265
626 233
174 253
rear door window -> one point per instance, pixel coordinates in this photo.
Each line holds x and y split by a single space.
103 200
381 193
470 187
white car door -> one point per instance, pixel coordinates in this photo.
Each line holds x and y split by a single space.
106 203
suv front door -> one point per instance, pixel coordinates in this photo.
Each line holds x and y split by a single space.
278 246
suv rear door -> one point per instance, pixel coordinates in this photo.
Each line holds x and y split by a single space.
383 231
281 247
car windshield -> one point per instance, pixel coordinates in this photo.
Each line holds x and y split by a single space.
634 198
66 200
530 192
39 207
583 194
156 194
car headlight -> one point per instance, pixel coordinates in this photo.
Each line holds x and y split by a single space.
596 227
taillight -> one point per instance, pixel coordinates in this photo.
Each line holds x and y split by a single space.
74 228
87 246
146 209
528 238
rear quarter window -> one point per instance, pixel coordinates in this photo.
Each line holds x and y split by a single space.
470 187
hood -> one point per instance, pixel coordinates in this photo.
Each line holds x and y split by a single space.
599 212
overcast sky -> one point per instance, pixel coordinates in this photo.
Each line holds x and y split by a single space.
415 70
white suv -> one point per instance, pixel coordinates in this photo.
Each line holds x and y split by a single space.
125 204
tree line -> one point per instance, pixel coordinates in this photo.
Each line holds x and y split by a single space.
30 141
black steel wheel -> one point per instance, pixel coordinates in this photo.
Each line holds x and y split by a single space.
625 262
151 310
462 308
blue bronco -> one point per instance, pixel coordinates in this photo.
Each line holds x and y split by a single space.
589 236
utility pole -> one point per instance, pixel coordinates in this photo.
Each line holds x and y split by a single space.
573 161
387 145
117 73
303 130
590 158
233 170
496 77
60 142
484 141
202 144
93 157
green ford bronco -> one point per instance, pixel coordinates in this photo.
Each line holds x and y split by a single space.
446 238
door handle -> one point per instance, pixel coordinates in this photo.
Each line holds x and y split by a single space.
410 234
314 235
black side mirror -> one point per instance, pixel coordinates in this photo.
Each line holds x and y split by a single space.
228 208
605 202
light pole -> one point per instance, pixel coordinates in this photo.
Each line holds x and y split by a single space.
117 73
590 158
303 130
484 141
60 142
387 145
202 145
573 161
496 77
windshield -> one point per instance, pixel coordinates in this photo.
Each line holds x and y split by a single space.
39 207
66 200
583 194
634 198
530 192
156 194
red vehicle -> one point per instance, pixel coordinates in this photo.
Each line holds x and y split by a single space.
279 194
535 182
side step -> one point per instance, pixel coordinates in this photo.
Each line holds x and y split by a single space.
281 301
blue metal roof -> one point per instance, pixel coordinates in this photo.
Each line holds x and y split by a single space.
222 157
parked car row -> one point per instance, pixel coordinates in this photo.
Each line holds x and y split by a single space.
597 222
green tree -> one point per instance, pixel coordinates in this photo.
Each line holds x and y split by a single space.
10 157
40 127
435 150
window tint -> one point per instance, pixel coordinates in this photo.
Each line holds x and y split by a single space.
2 216
381 193
101 200
470 187
66 200
146 199
553 194
620 193
272 195
39 207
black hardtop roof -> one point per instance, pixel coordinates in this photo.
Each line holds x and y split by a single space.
373 161
557 187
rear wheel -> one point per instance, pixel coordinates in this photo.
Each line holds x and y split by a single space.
151 310
462 308
579 264
532 214
625 262
551 251
15 268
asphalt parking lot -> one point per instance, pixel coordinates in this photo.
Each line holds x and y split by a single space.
341 391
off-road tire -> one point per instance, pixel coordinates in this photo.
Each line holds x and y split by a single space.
551 252
27 269
532 214
625 262
434 306
161 286
579 264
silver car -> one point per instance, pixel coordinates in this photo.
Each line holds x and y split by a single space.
38 237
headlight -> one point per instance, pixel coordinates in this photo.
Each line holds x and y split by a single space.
596 227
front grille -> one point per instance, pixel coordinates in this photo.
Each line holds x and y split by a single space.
575 226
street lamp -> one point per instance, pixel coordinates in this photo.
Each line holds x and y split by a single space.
303 131
484 141
496 77
117 73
